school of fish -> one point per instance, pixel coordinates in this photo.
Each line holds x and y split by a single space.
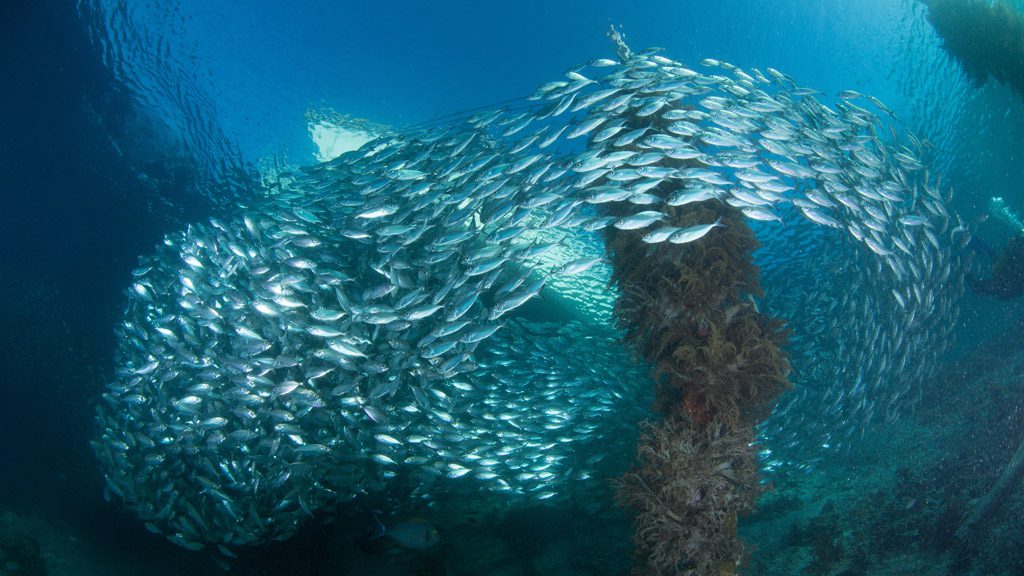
370 317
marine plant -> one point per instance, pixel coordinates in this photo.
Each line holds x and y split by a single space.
689 311
691 483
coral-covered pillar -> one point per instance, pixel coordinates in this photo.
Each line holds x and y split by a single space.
719 367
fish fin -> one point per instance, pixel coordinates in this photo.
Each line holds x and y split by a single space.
378 529
371 542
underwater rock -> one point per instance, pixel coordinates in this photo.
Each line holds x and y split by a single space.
822 534
20 555
1007 279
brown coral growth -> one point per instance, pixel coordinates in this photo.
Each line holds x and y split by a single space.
689 311
691 483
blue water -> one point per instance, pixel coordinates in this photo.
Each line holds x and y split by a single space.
262 68
120 122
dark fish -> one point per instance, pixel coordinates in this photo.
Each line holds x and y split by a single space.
413 534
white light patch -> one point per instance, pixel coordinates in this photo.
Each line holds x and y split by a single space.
333 141
334 134
586 294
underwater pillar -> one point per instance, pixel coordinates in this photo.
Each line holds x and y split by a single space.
689 311
985 36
